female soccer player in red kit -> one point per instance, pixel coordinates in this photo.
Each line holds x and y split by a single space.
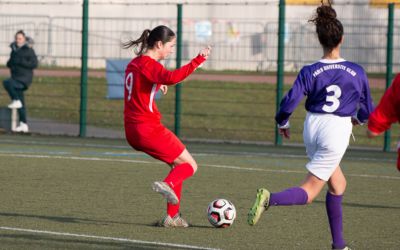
386 113
144 76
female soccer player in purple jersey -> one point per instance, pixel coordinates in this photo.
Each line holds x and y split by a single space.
337 94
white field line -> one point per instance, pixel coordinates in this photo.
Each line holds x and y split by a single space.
215 152
293 156
205 165
72 144
154 243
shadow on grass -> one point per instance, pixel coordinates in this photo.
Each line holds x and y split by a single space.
157 224
53 242
200 226
349 204
63 219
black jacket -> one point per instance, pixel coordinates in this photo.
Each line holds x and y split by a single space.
21 63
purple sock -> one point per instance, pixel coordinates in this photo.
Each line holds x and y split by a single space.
289 197
334 210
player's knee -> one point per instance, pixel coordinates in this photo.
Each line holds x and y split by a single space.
194 166
310 199
344 186
340 191
310 196
338 188
191 162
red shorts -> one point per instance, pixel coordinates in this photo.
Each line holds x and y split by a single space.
154 140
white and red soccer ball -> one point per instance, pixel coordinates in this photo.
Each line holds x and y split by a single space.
221 213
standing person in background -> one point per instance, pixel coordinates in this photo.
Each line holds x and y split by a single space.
336 91
144 76
21 64
386 113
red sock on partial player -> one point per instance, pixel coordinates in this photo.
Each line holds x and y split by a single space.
398 159
178 174
172 210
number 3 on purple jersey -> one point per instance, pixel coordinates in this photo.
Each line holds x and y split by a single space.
129 85
334 99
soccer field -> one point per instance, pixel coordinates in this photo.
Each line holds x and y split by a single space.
71 193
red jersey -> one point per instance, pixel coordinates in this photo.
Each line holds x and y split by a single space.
143 78
388 109
387 112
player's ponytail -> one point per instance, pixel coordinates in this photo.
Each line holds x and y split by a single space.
149 38
140 44
328 27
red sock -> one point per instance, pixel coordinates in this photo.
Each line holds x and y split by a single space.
398 159
178 174
172 210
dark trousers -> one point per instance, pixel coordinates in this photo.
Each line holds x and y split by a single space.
16 90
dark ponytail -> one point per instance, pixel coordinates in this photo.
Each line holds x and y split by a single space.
328 27
149 38
140 44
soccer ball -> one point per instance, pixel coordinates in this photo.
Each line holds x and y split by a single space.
221 213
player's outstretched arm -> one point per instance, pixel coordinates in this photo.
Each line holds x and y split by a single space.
206 52
158 74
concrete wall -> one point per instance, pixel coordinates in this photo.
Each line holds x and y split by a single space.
244 36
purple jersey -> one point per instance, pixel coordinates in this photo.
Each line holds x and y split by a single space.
336 87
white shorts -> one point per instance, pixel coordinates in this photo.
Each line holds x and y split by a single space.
326 138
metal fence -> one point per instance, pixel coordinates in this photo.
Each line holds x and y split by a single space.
245 42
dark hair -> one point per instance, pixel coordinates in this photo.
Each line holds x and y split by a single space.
149 38
20 32
328 27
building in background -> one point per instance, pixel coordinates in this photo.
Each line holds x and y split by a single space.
244 35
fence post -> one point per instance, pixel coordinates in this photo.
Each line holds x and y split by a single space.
178 90
389 65
84 58
280 64
50 42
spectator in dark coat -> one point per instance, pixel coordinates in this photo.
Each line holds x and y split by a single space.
21 63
